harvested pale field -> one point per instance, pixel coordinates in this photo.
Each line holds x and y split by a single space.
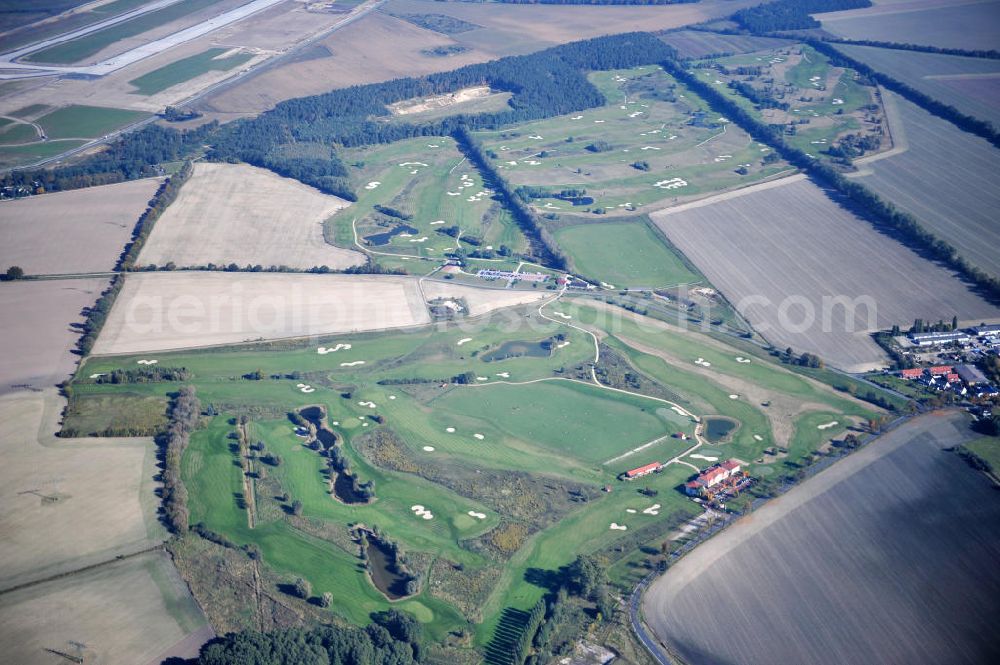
357 54
36 335
78 231
134 611
175 310
889 556
235 213
482 300
972 85
968 24
701 44
69 503
946 178
800 268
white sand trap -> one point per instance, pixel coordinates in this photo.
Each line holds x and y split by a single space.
323 350
146 362
652 510
370 405
631 511
308 389
300 385
440 221
428 449
433 145
463 341
421 239
373 184
649 147
577 117
832 423
598 121
758 437
412 164
478 516
503 375
353 364
636 114
428 515
734 397
672 183
618 527
392 397
364 424
414 172
704 457
741 359
454 193
513 162
450 430
97 376
562 344
535 137
479 436
562 315
482 378
336 423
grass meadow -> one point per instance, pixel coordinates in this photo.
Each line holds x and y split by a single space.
186 69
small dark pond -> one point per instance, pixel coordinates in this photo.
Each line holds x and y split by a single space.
385 237
718 428
517 349
380 560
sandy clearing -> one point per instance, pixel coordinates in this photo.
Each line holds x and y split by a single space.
236 213
767 265
36 336
83 230
168 310
481 300
101 494
132 611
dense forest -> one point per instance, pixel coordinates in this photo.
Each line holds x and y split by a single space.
851 194
393 638
791 14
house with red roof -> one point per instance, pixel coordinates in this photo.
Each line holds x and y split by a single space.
644 470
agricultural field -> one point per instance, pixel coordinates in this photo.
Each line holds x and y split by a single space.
965 25
972 85
944 177
136 610
75 122
37 238
93 499
875 565
469 454
624 254
791 261
157 311
185 69
37 334
797 87
30 153
236 213
653 144
696 44
420 198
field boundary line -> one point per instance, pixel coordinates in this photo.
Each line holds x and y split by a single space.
83 569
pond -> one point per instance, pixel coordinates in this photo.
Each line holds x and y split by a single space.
519 348
380 566
385 237
718 428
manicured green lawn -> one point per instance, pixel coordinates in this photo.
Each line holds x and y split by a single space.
625 254
186 69
77 121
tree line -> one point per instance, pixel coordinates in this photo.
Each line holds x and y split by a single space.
991 54
165 195
184 413
853 195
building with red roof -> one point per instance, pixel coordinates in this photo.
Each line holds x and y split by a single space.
644 470
915 373
711 477
940 370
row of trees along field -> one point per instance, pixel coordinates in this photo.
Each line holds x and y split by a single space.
791 14
165 195
991 54
185 411
869 205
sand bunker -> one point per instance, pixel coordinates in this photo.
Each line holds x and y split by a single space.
479 436
428 449
373 184
707 458
630 510
832 423
734 397
370 405
652 510
702 362
741 359
482 378
618 527
146 362
504 375
562 315
450 430
333 349
353 364
672 183
478 516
